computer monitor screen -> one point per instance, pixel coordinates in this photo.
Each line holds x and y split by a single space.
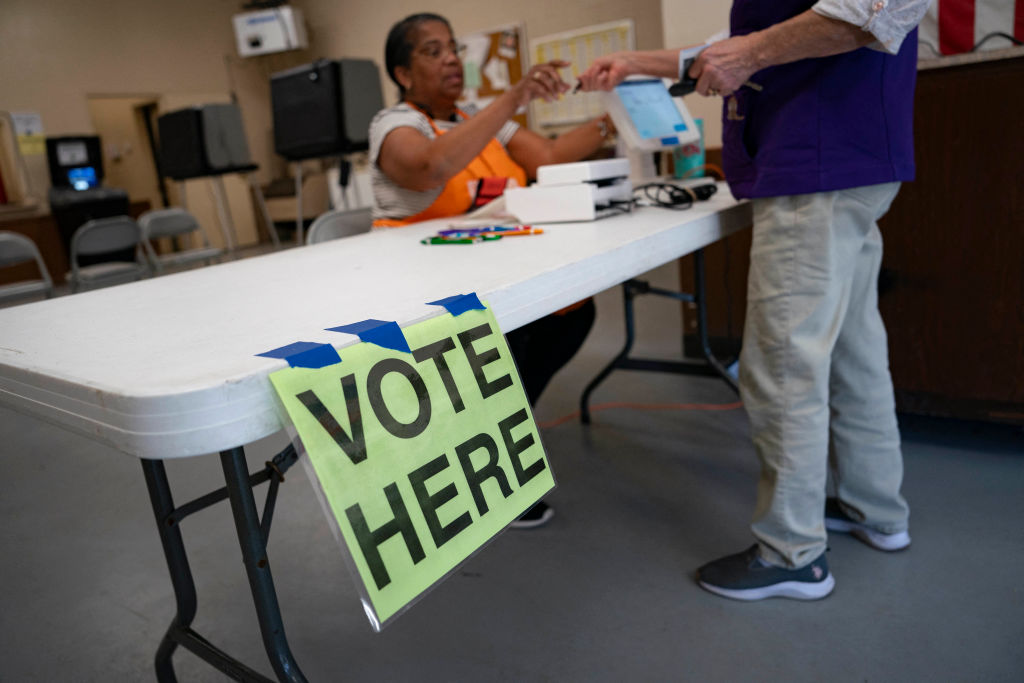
68 152
648 118
72 153
82 178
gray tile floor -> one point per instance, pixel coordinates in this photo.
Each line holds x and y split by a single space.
604 593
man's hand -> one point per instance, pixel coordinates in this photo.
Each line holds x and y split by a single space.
604 73
722 67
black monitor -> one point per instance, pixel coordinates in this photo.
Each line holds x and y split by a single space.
324 108
75 161
203 140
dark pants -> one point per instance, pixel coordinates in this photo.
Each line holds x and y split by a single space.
542 347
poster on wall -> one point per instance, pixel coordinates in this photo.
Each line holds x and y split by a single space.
492 62
580 48
28 127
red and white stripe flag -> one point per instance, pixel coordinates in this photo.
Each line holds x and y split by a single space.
954 26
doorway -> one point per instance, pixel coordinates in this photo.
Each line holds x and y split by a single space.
125 126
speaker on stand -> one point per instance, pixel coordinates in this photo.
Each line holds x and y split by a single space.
323 110
208 141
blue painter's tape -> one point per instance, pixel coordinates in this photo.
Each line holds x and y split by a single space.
385 333
460 303
305 355
679 126
671 140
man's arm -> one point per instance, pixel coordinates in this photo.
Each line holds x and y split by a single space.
831 27
889 21
726 65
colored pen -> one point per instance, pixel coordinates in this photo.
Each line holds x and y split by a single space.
449 240
524 231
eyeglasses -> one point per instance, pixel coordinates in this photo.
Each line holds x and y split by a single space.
434 50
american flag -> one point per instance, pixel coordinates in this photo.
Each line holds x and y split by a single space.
954 26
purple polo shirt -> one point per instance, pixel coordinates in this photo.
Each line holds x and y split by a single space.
818 124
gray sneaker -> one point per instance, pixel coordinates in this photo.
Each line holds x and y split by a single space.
745 576
837 520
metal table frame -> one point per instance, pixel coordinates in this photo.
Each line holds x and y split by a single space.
253 533
709 366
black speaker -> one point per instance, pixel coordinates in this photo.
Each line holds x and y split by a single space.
324 108
201 141
75 161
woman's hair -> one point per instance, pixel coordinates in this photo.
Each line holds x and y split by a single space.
398 48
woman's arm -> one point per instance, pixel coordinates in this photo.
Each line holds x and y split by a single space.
530 150
416 162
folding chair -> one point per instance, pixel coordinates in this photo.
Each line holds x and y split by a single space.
101 236
339 223
175 222
15 249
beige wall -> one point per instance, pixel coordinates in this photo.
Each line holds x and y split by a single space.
358 29
55 55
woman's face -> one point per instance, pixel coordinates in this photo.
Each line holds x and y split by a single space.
435 68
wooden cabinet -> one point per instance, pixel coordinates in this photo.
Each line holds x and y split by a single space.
952 284
951 289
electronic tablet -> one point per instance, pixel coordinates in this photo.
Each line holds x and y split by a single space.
647 117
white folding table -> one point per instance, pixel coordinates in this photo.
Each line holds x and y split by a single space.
167 367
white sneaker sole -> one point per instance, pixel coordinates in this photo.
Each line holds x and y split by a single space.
795 590
876 539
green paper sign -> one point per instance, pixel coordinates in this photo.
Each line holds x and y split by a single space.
422 457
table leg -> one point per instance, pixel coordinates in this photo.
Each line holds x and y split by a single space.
252 537
177 563
257 566
710 366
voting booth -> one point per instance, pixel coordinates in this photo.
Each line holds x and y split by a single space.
77 194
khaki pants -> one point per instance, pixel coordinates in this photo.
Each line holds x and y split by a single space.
814 371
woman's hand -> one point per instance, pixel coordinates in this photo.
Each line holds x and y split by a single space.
541 81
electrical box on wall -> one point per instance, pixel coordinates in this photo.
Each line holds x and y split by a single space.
271 30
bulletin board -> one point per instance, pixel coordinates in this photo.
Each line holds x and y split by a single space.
492 63
580 47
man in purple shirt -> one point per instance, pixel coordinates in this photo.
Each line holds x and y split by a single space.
817 133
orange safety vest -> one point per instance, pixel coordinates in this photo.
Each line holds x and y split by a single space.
456 198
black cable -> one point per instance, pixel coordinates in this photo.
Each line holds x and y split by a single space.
996 34
679 198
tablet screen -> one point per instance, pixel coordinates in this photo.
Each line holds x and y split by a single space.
651 109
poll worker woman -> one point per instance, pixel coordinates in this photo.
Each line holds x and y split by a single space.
428 158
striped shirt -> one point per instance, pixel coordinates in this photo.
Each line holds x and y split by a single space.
389 199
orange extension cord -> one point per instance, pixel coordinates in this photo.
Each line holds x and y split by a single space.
644 406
